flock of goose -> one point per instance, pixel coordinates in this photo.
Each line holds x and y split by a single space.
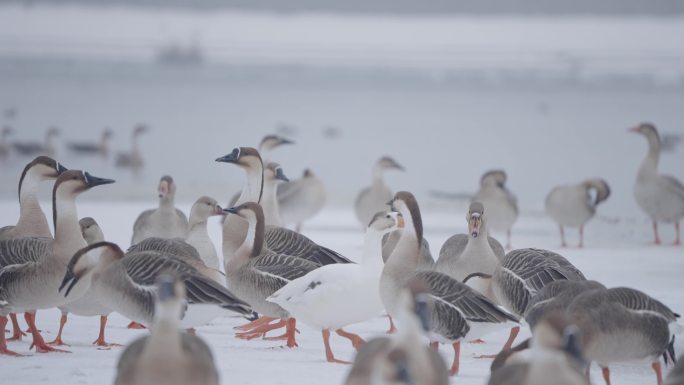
171 278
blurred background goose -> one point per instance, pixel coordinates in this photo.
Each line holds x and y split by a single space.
37 148
301 199
4 145
166 221
501 204
133 159
100 148
573 206
374 198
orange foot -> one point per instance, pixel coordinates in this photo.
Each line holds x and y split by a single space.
477 341
102 343
6 352
135 325
486 356
57 342
16 336
42 347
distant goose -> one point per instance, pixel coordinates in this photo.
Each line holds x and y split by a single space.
556 297
458 312
36 148
164 222
572 205
167 356
337 295
93 148
4 145
89 304
301 199
623 324
273 177
32 282
501 204
402 358
125 284
254 273
374 198
660 196
133 159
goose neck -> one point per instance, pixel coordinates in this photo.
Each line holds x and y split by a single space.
269 202
372 249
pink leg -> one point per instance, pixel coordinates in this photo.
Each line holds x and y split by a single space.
678 240
659 372
562 233
392 328
511 338
16 329
355 339
655 232
3 343
58 340
581 234
100 341
38 341
328 351
457 356
606 375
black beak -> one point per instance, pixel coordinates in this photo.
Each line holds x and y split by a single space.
280 175
61 169
232 210
93 181
230 158
422 310
68 277
286 141
391 205
166 288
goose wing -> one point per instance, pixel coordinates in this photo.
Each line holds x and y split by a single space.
22 250
636 300
175 247
284 241
283 266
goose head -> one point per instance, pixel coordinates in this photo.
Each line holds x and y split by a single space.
493 178
274 173
388 163
646 129
555 332
476 219
44 168
245 157
167 187
170 298
74 182
384 222
254 215
205 207
90 230
405 203
139 130
269 142
107 133
84 263
250 211
51 132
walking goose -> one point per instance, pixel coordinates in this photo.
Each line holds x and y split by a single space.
337 295
125 284
89 304
501 204
164 222
660 196
167 356
556 297
132 159
4 146
254 273
301 199
624 324
374 198
93 148
46 148
458 311
402 358
32 281
572 205
277 239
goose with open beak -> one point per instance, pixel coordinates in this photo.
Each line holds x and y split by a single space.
166 221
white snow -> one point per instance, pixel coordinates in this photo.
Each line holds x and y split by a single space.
617 253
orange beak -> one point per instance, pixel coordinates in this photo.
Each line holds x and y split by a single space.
633 129
218 210
400 222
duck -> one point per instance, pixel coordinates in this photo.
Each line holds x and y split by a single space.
624 324
333 296
661 196
4 146
167 356
374 198
36 148
100 148
255 272
32 283
402 358
301 199
572 205
125 284
458 312
501 203
164 222
133 159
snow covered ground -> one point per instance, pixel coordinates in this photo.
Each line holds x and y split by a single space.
617 253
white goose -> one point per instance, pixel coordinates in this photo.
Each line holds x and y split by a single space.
374 198
660 196
337 295
501 204
572 205
166 221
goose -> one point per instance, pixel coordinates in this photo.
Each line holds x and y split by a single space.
660 196
132 159
301 199
458 312
167 356
337 295
572 205
164 222
277 239
374 198
32 221
623 324
676 376
501 204
198 236
87 305
254 273
36 148
554 353
93 148
556 297
273 177
32 282
402 358
125 284
4 146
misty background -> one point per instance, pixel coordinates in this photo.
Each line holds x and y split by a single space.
543 89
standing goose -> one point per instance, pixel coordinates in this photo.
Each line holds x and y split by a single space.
198 236
660 196
458 312
32 283
273 177
402 358
572 205
89 304
164 222
501 204
93 148
556 297
167 356
36 148
623 324
254 273
301 199
337 295
277 239
132 159
125 284
374 198
4 146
